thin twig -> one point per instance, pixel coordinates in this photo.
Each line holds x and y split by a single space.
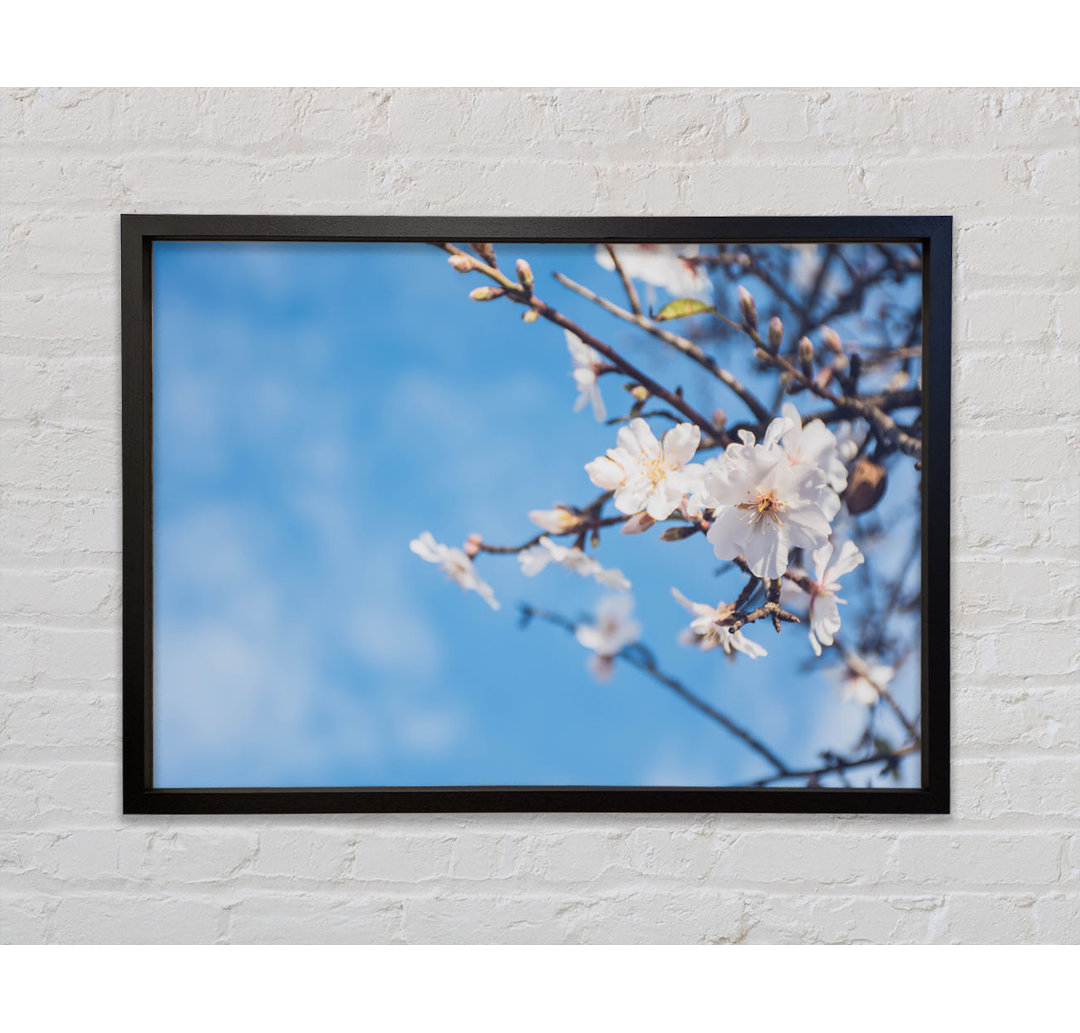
642 660
516 292
840 764
628 284
583 526
884 426
736 620
886 401
856 664
683 344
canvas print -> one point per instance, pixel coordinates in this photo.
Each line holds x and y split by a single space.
464 514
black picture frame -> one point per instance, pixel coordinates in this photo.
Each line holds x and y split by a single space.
138 232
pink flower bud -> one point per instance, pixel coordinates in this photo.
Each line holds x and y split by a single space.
524 274
486 293
486 252
776 332
638 523
472 545
832 340
748 308
462 263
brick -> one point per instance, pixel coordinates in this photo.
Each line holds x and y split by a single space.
1016 458
61 531
989 718
778 858
309 918
59 721
77 656
59 390
1057 918
61 594
985 918
137 918
799 919
184 856
978 859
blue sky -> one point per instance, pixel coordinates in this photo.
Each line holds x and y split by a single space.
319 405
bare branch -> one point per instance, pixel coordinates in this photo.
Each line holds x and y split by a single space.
516 292
628 284
883 425
683 344
582 527
837 765
858 665
642 659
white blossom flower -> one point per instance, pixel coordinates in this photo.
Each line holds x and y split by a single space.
860 682
614 629
536 558
763 505
454 563
555 521
805 267
847 443
824 590
696 499
662 265
814 444
705 633
586 363
644 473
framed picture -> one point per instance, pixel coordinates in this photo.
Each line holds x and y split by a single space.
627 514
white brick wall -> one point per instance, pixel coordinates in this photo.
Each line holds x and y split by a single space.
1005 866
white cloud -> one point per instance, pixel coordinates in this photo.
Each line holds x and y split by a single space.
249 688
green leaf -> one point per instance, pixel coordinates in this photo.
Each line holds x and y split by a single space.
680 308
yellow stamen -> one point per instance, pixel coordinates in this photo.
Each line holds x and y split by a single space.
766 507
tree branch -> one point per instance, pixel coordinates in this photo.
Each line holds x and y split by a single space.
643 660
628 284
837 764
683 344
524 296
583 527
884 426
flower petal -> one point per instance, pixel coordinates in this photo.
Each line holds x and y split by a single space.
685 603
598 407
605 473
632 496
637 523
681 442
776 430
847 559
820 558
425 546
533 560
664 499
637 438
726 534
766 553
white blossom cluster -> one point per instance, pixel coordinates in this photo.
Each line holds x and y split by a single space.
761 500
757 501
